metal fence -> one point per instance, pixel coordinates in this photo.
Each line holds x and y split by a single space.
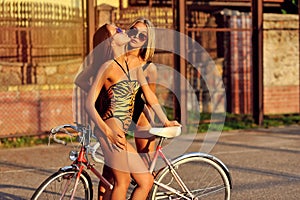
40 32
226 37
162 17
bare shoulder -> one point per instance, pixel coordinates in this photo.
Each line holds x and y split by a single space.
151 71
108 63
152 68
106 68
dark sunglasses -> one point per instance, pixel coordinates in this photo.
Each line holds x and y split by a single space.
133 32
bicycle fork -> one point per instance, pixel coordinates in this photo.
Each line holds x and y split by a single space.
79 163
69 183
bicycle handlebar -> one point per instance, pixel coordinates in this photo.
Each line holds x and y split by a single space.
63 128
85 135
93 150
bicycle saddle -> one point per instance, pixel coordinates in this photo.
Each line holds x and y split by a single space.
167 132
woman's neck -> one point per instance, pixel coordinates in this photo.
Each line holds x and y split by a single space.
134 52
119 51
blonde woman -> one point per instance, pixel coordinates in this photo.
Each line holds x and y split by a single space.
110 104
142 46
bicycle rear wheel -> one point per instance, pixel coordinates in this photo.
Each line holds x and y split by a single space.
60 185
204 178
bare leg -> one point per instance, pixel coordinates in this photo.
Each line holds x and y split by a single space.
145 145
121 184
125 163
140 174
144 184
104 193
117 161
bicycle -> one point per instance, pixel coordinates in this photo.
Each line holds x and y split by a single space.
191 176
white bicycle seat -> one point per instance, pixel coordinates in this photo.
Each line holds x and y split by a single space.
167 132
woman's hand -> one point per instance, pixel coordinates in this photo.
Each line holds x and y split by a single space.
171 123
117 139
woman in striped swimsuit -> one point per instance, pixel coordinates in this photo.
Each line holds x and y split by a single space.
117 82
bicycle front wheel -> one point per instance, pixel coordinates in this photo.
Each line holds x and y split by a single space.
203 177
60 185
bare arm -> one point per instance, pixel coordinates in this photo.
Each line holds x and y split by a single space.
83 78
89 71
93 93
152 76
153 101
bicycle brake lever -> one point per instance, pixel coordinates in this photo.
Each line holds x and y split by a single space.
53 132
59 141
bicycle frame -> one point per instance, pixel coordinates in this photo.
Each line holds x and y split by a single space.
79 163
160 153
82 161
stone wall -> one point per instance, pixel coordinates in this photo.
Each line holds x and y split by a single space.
30 109
281 64
63 72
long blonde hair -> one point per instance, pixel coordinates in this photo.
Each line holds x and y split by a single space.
147 50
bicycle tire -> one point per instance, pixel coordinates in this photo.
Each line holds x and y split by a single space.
201 175
53 186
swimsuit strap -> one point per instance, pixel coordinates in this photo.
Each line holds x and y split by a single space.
146 65
127 74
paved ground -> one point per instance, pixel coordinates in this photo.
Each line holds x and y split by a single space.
264 163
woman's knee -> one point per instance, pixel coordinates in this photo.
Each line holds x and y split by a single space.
146 182
150 181
123 181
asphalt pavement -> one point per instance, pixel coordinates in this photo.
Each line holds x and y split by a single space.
263 163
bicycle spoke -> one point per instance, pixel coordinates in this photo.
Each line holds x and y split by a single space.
61 186
203 178
208 191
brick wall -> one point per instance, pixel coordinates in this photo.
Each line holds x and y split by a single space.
281 99
281 64
28 111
